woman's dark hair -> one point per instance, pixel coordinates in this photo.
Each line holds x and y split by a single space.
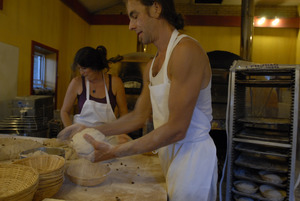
95 59
168 12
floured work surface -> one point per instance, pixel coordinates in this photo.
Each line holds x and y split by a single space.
133 178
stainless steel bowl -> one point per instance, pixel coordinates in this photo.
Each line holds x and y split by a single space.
47 150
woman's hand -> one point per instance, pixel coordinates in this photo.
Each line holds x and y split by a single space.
68 132
102 150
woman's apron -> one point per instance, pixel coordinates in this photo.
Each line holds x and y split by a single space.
190 165
94 113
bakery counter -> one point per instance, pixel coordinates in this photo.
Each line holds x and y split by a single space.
132 178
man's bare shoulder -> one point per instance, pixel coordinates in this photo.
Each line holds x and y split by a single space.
189 45
189 59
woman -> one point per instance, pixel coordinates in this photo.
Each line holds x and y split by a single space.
101 96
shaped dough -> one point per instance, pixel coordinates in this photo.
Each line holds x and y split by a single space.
81 146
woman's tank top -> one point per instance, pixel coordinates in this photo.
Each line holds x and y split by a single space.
82 97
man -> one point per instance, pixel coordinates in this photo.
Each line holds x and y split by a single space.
177 91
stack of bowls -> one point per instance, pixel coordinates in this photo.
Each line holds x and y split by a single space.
51 174
18 182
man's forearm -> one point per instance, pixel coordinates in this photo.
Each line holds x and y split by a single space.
124 124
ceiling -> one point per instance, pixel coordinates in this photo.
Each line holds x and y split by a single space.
95 6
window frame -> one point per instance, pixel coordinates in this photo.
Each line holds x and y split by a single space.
35 47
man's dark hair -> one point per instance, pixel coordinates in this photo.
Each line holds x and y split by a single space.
168 12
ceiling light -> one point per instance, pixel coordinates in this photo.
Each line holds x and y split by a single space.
275 21
260 21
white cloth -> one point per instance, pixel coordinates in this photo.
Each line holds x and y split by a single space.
94 113
190 165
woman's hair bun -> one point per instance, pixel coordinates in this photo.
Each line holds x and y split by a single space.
102 50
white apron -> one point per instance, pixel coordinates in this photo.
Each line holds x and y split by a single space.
94 113
190 165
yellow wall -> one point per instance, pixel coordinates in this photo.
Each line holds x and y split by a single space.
48 22
270 45
52 23
298 43
274 45
117 39
216 38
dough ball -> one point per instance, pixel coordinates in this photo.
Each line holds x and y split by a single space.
81 146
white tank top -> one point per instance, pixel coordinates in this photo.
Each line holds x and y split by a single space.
200 124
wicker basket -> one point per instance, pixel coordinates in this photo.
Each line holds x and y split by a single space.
85 173
17 182
51 174
47 191
44 164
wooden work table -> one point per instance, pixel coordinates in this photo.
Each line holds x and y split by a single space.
134 178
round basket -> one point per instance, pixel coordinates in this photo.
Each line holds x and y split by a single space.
51 174
47 191
88 174
17 182
44 164
43 151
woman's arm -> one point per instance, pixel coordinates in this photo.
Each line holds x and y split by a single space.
69 100
119 90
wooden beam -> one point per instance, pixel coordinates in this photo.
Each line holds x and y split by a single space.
1 4
190 20
200 20
282 23
79 9
209 20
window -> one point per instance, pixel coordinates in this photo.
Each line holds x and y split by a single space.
44 70
39 70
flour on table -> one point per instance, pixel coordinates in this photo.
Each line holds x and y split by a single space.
81 146
11 147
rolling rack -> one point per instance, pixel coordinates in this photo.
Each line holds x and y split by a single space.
30 116
262 127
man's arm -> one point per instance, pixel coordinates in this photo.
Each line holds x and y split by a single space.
189 72
134 119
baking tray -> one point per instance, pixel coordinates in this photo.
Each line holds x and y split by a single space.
272 121
256 149
264 134
266 83
259 163
245 174
257 195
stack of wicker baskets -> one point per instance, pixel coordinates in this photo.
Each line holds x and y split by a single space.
51 174
17 182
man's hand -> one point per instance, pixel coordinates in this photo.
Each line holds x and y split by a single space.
102 150
68 132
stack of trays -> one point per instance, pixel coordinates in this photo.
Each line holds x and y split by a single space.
18 182
51 174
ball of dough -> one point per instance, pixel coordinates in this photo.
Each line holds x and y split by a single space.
81 146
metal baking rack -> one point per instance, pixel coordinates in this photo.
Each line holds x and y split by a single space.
262 126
